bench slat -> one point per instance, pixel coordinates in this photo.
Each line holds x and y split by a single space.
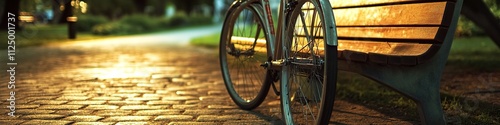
412 34
364 3
417 14
248 41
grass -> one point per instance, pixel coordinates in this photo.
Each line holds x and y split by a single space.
477 54
208 41
474 53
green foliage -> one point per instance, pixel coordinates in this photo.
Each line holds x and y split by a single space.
200 20
142 22
112 9
139 23
179 19
86 22
208 41
115 28
466 28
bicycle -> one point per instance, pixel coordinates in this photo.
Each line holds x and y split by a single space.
301 53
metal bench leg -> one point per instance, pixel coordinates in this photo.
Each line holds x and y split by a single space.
430 110
420 83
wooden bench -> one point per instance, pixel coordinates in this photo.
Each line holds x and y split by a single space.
403 44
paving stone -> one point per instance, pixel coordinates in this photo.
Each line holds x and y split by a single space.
74 112
187 93
222 107
73 98
174 118
143 99
141 107
135 91
75 94
183 106
49 102
190 102
93 123
205 118
127 95
201 111
29 106
86 102
213 98
103 98
236 111
10 122
178 98
117 112
40 98
43 116
158 112
83 118
215 92
163 102
126 102
33 111
247 122
57 107
127 118
132 123
46 122
100 107
193 123
165 92
150 85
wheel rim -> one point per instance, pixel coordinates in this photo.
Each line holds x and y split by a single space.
303 72
244 76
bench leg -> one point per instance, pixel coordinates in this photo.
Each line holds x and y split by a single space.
421 84
430 110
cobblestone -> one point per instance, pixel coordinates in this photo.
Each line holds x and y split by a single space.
29 111
60 107
94 123
127 118
101 107
86 102
158 112
46 122
42 116
81 118
113 112
174 118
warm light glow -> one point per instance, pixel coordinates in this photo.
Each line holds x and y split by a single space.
83 7
28 19
127 66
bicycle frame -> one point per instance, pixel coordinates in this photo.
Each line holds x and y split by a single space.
277 34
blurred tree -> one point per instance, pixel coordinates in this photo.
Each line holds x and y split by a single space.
157 7
113 9
189 6
140 5
479 13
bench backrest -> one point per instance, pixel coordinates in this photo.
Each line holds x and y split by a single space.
398 32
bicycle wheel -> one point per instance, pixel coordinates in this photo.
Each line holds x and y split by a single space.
309 72
242 51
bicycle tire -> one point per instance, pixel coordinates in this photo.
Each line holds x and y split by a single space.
309 74
246 81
